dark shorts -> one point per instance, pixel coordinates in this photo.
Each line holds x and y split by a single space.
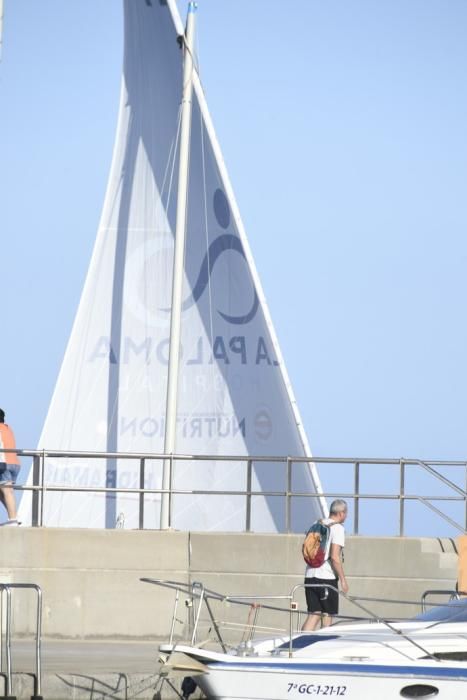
322 600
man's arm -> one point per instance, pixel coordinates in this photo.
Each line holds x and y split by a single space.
336 563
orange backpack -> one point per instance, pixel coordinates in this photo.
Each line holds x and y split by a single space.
315 544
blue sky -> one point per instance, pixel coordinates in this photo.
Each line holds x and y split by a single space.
343 126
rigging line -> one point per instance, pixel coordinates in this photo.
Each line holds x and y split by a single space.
167 182
181 39
205 204
173 149
206 227
177 138
206 231
169 167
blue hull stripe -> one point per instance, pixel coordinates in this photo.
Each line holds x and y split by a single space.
440 671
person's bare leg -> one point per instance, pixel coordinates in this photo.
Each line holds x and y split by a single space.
9 501
327 620
311 622
2 498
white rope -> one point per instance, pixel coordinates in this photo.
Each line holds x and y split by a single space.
206 232
172 157
205 203
206 228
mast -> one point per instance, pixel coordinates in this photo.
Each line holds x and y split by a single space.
178 263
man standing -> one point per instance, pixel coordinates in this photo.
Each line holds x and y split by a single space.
9 468
323 603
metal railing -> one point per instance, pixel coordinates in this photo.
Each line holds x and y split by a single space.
6 664
282 638
453 595
456 493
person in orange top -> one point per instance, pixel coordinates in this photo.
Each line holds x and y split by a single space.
9 469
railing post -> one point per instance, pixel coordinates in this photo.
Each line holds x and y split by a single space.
402 499
5 638
249 475
8 642
171 468
42 480
38 677
288 497
291 609
141 494
35 494
356 499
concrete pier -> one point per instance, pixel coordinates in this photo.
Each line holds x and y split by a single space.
101 625
87 669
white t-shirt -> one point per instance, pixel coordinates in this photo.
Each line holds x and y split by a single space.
336 536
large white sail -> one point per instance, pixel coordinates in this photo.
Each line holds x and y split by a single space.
234 397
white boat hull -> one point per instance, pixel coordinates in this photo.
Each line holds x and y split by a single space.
422 658
233 678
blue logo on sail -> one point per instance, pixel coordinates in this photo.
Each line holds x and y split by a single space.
220 245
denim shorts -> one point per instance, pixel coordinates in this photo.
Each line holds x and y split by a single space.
8 473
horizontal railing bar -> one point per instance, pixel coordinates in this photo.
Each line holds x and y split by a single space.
232 458
277 494
244 461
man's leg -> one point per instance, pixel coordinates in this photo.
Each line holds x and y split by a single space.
311 622
313 604
330 603
9 501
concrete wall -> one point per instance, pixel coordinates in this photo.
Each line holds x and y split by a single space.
91 587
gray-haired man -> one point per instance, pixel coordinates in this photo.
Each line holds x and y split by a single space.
323 603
